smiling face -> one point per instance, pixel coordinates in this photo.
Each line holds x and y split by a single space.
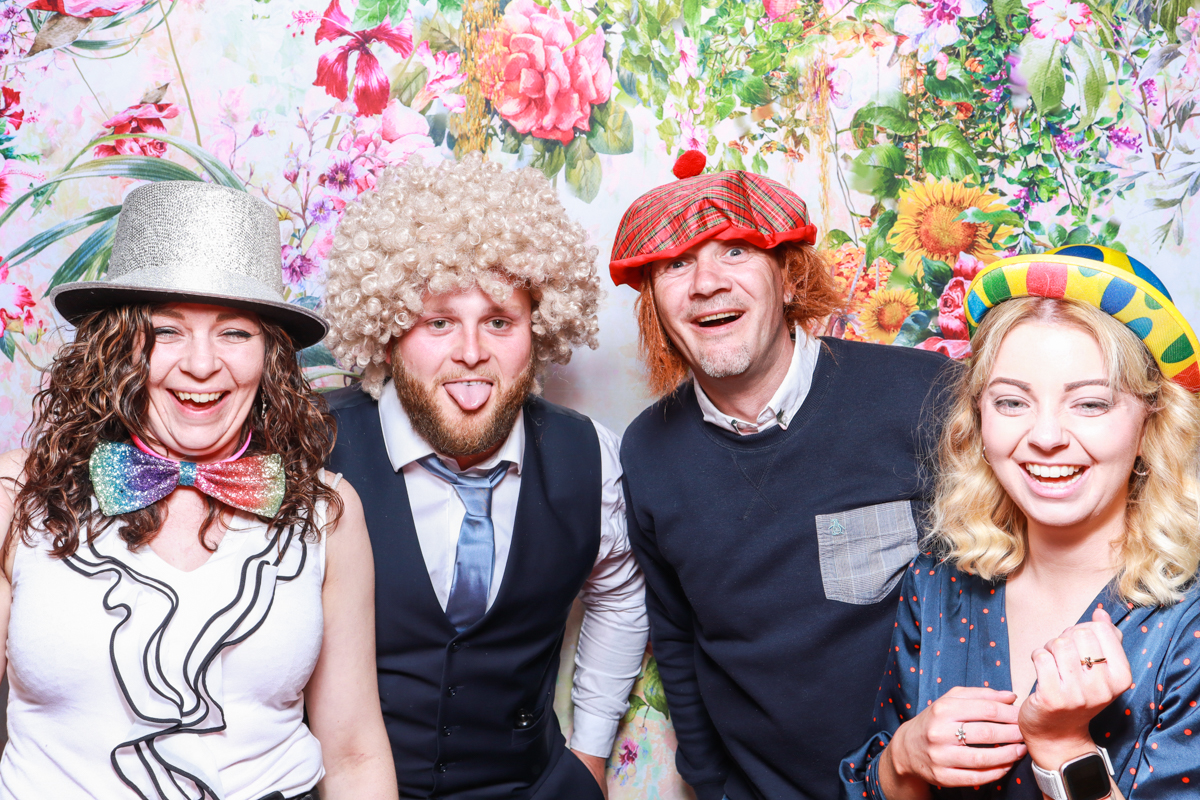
463 371
1060 441
205 370
721 304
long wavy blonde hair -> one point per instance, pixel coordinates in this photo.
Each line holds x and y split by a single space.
977 526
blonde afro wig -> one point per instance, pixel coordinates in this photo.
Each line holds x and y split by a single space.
452 227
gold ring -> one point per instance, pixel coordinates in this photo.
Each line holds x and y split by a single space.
1088 661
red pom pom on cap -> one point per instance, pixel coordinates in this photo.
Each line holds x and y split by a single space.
689 165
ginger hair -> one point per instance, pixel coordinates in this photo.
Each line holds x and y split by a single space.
453 227
807 280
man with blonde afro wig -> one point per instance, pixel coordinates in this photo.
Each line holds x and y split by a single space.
489 509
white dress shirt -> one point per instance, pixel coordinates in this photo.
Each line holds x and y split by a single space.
613 638
787 399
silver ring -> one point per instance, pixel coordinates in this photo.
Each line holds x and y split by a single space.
961 735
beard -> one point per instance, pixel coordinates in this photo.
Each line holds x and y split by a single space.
477 431
725 363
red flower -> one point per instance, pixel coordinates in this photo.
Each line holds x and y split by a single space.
138 119
371 86
955 348
952 319
84 9
11 108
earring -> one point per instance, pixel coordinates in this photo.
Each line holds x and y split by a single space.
1142 474
983 450
263 406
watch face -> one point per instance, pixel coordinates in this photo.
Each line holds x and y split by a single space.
1087 778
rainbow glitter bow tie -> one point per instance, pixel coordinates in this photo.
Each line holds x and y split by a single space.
126 478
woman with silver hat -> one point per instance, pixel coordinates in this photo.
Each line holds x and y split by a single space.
181 580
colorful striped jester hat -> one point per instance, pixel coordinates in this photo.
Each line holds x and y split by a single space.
669 220
1108 279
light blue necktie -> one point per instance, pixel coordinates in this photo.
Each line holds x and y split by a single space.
473 562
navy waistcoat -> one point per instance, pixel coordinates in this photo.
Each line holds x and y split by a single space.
471 715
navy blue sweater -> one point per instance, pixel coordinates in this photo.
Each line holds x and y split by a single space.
772 563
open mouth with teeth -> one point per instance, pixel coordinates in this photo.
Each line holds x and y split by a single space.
198 400
1055 475
718 319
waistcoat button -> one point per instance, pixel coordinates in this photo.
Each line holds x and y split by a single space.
524 719
454 647
446 731
441 767
453 690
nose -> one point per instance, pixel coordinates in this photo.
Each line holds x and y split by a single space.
709 277
200 360
1047 433
470 351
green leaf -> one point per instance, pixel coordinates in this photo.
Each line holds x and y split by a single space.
512 140
1003 9
919 326
1001 217
952 89
36 244
316 356
876 171
90 259
372 12
406 85
207 161
551 160
636 704
886 117
583 170
1080 234
834 239
877 243
1041 65
690 11
936 275
1057 234
942 162
449 5
724 107
887 156
137 167
1089 63
615 136
652 689
754 92
8 345
650 24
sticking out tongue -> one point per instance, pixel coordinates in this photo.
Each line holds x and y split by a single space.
469 395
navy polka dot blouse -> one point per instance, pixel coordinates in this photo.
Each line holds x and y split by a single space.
950 631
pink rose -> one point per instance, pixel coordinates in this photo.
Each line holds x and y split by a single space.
537 79
84 9
955 348
952 319
138 119
780 10
967 266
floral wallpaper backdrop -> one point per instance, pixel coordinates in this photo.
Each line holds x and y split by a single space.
929 137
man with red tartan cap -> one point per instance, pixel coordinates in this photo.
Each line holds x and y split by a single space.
773 491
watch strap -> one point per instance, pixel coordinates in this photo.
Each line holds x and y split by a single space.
1051 782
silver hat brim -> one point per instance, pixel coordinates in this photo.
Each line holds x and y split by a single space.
76 300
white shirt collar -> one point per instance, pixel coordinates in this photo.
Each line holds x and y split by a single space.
787 399
404 445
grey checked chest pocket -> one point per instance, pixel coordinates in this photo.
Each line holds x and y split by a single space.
864 551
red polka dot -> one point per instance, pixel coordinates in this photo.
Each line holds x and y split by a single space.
985 611
940 680
929 628
1187 731
1144 629
1187 662
1128 712
1154 745
961 639
964 620
997 663
1187 780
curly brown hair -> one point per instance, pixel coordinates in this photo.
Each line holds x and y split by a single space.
807 279
96 390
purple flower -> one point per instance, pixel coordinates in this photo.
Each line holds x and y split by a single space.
1125 138
342 175
1068 144
1149 89
297 266
629 753
323 210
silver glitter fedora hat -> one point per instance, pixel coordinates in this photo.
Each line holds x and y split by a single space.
181 241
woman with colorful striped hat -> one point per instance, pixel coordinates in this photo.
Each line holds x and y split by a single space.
1044 644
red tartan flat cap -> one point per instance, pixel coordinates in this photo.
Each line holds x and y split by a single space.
669 220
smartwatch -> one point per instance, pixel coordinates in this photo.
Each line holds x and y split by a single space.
1083 778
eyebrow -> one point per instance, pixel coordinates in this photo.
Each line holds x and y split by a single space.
1092 382
1025 387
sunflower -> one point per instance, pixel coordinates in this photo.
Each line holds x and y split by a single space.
885 311
927 224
